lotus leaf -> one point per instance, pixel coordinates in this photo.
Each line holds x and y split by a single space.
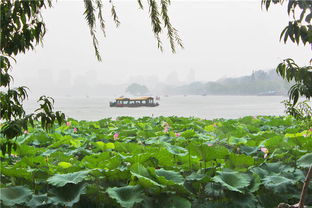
60 180
305 161
233 180
15 195
126 196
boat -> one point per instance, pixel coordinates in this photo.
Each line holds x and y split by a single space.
134 102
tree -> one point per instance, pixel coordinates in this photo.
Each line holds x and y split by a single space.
299 29
137 89
159 19
23 28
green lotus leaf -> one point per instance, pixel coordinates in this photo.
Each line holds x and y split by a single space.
176 150
239 200
279 184
188 134
232 180
275 142
67 195
129 147
61 180
237 141
144 176
15 195
169 177
268 169
176 202
239 161
64 165
305 161
255 183
126 196
208 153
39 200
196 176
214 189
95 160
209 204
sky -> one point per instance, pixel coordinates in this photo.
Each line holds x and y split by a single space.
221 39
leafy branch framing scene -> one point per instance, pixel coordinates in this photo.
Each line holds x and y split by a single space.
171 160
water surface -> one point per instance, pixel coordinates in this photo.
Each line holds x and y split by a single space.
208 107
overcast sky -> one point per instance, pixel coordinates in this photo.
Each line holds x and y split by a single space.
221 39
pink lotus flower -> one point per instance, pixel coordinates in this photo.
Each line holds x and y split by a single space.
75 130
265 151
116 136
26 132
178 134
166 127
210 144
68 123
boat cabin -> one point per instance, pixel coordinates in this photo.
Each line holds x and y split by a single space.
133 102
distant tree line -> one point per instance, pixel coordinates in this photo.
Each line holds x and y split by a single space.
258 83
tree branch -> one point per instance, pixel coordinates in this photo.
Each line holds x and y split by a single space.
303 193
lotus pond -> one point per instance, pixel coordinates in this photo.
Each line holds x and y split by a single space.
175 162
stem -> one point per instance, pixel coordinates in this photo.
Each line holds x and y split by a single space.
189 150
305 188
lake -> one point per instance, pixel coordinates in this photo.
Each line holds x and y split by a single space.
208 107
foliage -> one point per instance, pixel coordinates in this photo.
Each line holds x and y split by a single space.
159 20
22 28
194 163
302 110
299 29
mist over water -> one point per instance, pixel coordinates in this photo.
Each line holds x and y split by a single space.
206 107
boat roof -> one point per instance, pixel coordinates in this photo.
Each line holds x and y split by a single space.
136 99
142 98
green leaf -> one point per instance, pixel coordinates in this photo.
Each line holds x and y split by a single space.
15 195
64 165
169 177
110 146
237 141
60 180
232 180
176 202
279 184
126 196
67 195
305 161
239 161
39 200
144 176
176 150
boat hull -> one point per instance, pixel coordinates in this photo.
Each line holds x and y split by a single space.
118 105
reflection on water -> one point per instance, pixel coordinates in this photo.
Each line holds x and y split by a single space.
207 107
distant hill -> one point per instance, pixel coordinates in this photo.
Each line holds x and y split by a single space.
258 83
